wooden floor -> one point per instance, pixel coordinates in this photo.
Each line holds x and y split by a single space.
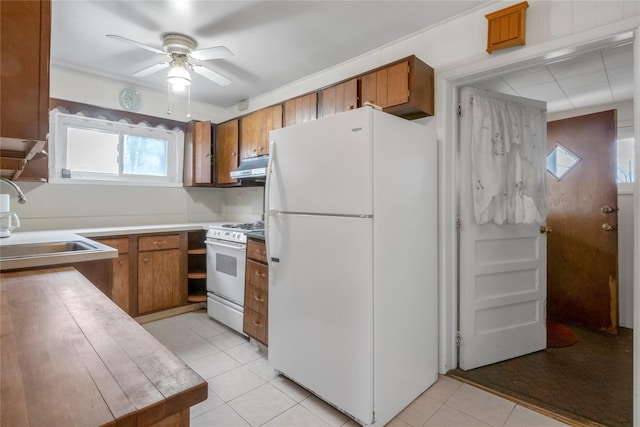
590 383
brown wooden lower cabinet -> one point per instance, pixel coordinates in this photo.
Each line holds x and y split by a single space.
149 274
160 278
120 286
256 292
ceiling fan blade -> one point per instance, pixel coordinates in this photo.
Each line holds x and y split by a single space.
211 75
135 43
152 69
211 53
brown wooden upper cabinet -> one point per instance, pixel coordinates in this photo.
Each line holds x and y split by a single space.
301 109
254 131
226 158
339 98
25 31
403 88
197 154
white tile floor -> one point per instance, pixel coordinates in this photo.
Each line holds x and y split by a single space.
245 391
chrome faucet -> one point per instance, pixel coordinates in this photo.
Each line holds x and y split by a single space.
22 199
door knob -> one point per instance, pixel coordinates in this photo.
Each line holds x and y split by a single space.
608 209
545 229
609 227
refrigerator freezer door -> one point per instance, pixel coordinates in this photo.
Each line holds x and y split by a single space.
323 166
321 307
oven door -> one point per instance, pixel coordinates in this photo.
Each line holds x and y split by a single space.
225 269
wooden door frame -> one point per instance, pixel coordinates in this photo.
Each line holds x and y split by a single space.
448 84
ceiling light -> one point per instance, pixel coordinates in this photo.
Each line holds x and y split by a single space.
179 77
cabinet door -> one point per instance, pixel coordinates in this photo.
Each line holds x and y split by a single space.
397 84
388 86
368 88
197 153
254 131
226 158
301 109
120 286
158 280
25 28
120 289
249 134
339 98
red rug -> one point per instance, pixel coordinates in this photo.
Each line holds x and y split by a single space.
559 335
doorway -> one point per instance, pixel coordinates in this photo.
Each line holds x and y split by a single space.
587 381
448 85
582 248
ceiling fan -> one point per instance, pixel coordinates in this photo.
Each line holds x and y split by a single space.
182 57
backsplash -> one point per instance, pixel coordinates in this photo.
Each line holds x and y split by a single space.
74 206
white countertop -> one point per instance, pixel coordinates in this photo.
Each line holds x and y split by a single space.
84 235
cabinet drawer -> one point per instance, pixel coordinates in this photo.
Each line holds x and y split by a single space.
256 295
256 250
119 243
155 243
255 325
257 274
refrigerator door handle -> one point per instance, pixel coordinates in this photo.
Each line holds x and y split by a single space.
267 185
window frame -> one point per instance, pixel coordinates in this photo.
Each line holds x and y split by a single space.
60 122
625 187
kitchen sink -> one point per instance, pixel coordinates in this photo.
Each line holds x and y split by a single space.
28 250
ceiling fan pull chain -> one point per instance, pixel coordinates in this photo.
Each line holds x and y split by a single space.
189 102
169 99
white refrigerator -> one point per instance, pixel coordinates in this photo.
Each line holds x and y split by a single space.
351 223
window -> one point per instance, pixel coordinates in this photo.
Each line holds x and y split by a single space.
625 172
100 151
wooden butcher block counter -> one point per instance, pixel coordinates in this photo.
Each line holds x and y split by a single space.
71 357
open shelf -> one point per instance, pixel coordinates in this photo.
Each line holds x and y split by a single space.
197 267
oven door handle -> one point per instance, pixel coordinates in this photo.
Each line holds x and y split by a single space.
210 243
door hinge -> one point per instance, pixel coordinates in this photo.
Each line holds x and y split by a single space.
458 339
458 223
459 111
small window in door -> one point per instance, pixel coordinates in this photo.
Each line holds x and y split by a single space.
560 161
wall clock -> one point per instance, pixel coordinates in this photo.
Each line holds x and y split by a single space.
130 99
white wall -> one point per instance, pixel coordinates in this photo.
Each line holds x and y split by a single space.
106 94
74 206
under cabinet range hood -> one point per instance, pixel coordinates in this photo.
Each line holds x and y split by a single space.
252 168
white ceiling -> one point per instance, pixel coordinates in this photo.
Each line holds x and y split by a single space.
277 42
274 42
596 78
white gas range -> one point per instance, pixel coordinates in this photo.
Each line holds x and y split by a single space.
226 256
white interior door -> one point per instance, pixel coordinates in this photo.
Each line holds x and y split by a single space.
502 291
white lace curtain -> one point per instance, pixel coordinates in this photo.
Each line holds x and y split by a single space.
508 145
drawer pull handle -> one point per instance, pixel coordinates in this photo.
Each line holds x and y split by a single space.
260 274
159 242
260 252
257 298
121 262
146 259
257 325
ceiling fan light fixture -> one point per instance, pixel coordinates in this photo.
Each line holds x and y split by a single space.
179 77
